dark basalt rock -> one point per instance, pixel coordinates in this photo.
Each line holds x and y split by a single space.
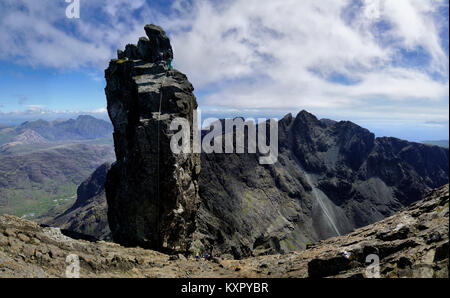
92 187
399 244
88 215
152 193
151 48
328 267
248 208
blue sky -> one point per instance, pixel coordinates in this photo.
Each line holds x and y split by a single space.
379 63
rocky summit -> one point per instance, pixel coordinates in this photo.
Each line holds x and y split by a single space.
152 193
331 178
412 243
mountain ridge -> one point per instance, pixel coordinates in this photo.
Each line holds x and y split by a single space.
329 176
234 189
84 127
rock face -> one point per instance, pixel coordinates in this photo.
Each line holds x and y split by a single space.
151 48
412 243
152 193
88 215
331 177
248 209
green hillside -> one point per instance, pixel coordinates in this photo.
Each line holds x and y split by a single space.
34 181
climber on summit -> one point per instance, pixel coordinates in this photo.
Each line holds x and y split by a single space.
169 63
169 59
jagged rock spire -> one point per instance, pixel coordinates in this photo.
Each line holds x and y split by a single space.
154 47
152 193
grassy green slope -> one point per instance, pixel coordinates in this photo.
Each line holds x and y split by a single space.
33 183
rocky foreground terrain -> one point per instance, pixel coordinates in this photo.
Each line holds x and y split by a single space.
412 243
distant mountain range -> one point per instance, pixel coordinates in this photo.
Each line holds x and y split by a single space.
42 163
28 137
441 143
82 128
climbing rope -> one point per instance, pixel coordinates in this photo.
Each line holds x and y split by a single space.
158 156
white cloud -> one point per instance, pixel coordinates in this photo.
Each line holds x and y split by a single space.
37 33
42 109
99 111
276 45
36 109
250 54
